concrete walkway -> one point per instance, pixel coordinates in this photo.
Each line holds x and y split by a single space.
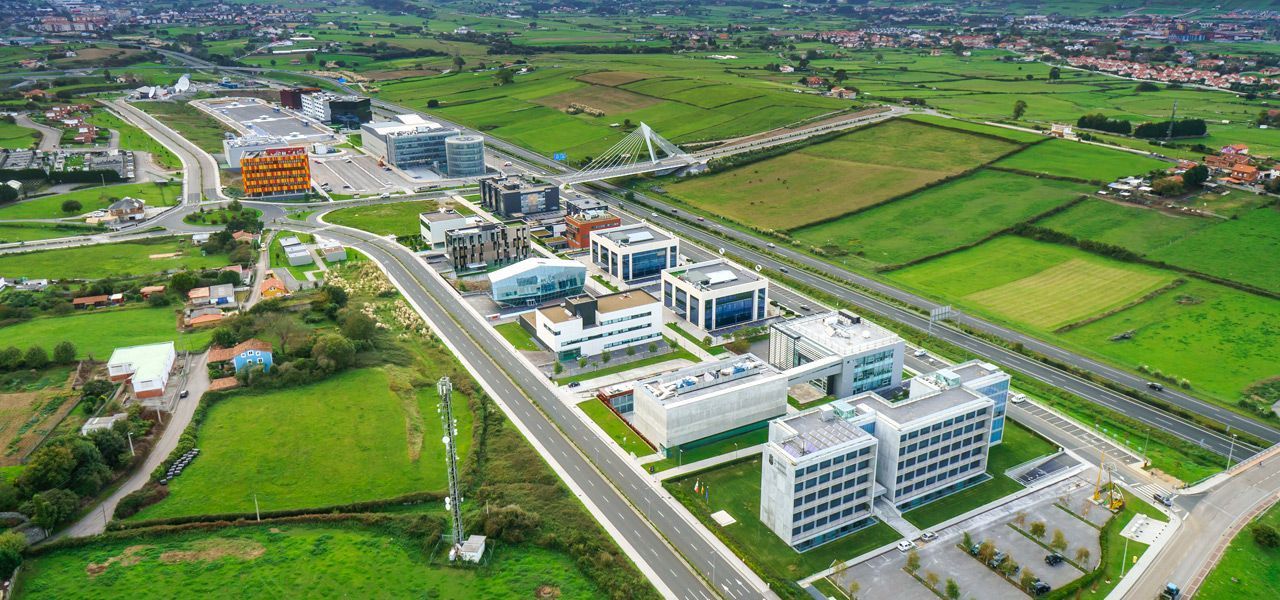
893 517
709 462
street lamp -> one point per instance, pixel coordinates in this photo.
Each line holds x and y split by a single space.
130 436
1232 451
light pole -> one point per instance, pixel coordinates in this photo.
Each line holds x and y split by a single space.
1232 451
130 436
1124 562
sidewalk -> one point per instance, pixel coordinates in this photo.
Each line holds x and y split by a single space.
892 517
709 462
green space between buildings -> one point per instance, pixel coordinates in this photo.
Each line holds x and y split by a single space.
614 426
678 353
393 218
518 336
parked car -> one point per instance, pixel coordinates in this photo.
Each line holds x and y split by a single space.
574 384
928 536
1053 560
1018 398
1040 588
997 559
184 394
905 546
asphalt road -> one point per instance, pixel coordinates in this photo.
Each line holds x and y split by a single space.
624 494
200 170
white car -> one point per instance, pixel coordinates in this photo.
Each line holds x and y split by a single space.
506 164
905 546
928 536
920 352
1017 398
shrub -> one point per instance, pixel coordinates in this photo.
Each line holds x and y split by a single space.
1266 536
131 504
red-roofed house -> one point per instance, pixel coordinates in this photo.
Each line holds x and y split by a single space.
273 288
1243 174
91 301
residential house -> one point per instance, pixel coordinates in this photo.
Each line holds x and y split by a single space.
147 291
128 209
1243 173
1234 149
332 251
206 316
201 238
244 237
272 287
98 423
242 272
145 367
214 295
814 81
1225 162
98 301
251 352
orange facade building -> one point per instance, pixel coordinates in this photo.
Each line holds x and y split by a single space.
275 172
578 227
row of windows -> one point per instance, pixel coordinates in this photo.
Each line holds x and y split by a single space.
900 492
949 447
834 488
823 493
826 506
827 464
910 462
940 464
941 424
848 512
836 473
942 437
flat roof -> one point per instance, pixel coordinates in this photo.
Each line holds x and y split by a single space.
715 274
639 233
819 429
705 378
974 369
442 215
149 360
840 332
402 126
624 300
906 411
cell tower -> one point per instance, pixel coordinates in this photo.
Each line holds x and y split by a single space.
454 502
1173 117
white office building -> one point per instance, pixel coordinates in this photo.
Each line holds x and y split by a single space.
933 443
982 378
715 294
145 367
845 353
408 141
435 226
634 252
708 399
818 474
236 147
587 326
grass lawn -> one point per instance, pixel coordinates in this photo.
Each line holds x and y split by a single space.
644 362
290 561
107 260
613 425
341 440
712 350
735 489
1079 160
1020 445
17 137
98 332
856 170
219 216
678 457
132 138
393 218
1136 228
1014 135
1245 249
199 128
90 199
1247 569
517 336
940 218
1043 286
281 261
25 232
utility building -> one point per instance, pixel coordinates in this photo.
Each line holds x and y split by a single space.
715 294
634 252
843 353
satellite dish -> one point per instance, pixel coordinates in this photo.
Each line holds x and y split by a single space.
722 252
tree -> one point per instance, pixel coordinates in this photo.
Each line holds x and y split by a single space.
333 352
7 194
986 551
223 337
183 281
289 331
50 508
458 62
913 561
64 353
71 206
433 103
311 58
358 326
504 76
1059 542
1008 567
1055 74
1037 529
1020 518
932 579
558 368
853 588
1167 186
1266 536
11 546
841 75
1082 556
1146 86
10 358
953 589
1019 109
112 445
1027 580
49 467
1195 176
605 356
36 357
966 540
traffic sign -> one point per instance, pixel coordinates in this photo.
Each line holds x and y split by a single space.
559 156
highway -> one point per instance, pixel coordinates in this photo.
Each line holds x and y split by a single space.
200 170
618 488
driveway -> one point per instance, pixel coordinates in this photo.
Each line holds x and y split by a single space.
195 379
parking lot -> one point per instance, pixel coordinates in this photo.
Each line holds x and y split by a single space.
349 173
255 117
1061 506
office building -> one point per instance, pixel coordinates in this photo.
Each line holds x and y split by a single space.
718 398
818 474
933 443
145 367
514 197
464 156
584 204
579 225
433 226
845 353
981 378
408 141
233 149
333 109
587 326
292 97
634 253
537 280
275 172
715 294
486 245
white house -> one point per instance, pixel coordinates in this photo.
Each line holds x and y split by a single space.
145 367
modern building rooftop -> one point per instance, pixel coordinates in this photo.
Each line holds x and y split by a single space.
714 274
821 428
911 409
973 370
638 233
624 300
842 333
705 378
528 264
409 124
441 215
149 361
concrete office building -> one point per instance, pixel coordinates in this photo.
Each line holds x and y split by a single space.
587 326
464 156
579 225
534 281
818 474
333 109
708 399
485 245
933 443
408 141
715 294
634 252
513 197
233 149
981 378
845 353
433 226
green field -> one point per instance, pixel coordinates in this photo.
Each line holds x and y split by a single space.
91 199
290 560
1081 161
823 181
17 137
940 218
107 260
194 125
517 336
96 333
132 138
1247 569
393 218
1019 446
1137 228
25 232
613 425
338 441
1039 285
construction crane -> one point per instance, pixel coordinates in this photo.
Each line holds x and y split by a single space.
1107 494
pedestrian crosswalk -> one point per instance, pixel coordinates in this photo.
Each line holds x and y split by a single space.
1147 491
